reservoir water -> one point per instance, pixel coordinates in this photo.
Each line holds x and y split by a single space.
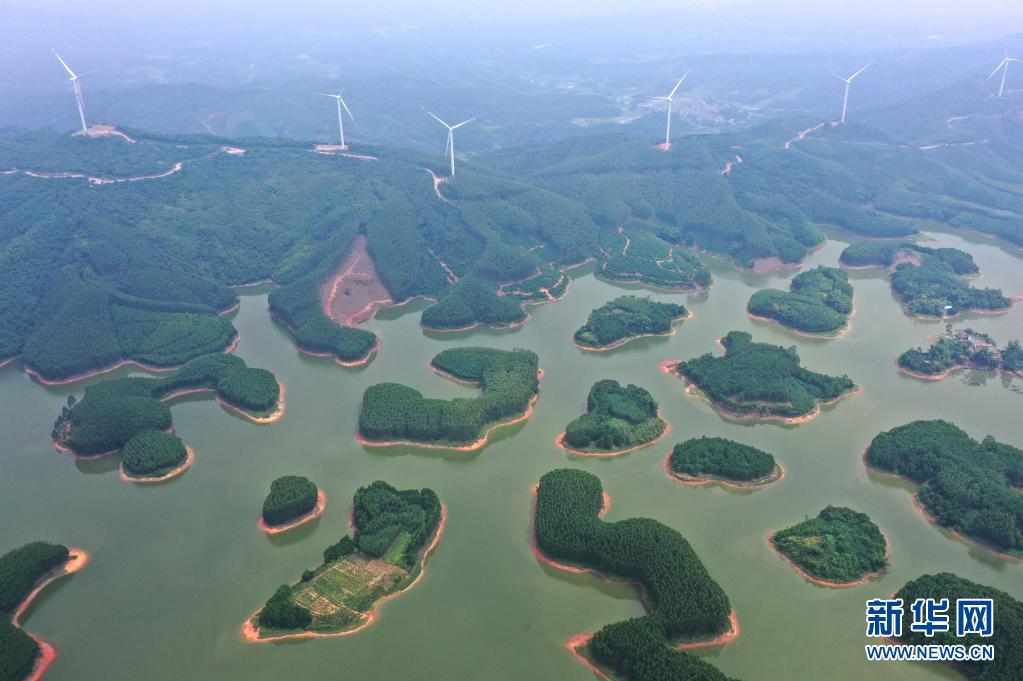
175 568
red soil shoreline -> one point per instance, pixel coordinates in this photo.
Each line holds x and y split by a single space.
870 576
622 341
776 476
919 508
476 325
173 473
560 442
321 505
277 414
77 559
948 372
337 360
250 634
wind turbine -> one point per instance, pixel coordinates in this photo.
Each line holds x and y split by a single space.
74 78
848 82
1004 68
340 120
450 149
669 99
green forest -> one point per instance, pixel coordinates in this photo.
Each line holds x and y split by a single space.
716 457
1007 638
391 529
627 317
112 412
509 381
20 569
928 281
152 453
761 380
290 497
965 485
139 270
960 349
684 600
839 545
617 418
818 301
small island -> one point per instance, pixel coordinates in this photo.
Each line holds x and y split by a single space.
709 460
686 607
819 301
761 381
113 412
626 318
1006 637
155 456
293 500
928 281
395 414
955 350
971 488
394 531
24 573
840 547
617 420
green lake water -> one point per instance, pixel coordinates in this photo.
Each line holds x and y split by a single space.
176 568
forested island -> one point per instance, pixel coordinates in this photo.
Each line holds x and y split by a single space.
706 460
839 547
617 420
928 281
393 533
965 349
24 572
392 413
154 456
473 302
1007 635
818 301
623 319
683 601
969 487
292 501
763 381
113 412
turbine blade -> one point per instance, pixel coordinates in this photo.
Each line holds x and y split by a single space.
82 75
997 69
350 115
455 127
675 89
324 94
437 119
861 70
447 147
64 64
844 80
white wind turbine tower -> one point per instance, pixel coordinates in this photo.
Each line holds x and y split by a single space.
670 99
75 78
450 149
1004 68
848 82
340 119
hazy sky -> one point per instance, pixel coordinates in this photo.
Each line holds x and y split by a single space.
1007 13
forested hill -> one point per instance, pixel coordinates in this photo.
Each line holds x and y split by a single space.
760 193
96 268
